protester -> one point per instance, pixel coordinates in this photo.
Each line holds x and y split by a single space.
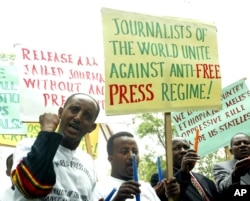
120 147
52 167
168 188
7 194
237 170
193 186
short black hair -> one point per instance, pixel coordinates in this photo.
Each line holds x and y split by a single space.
232 139
10 157
71 96
113 137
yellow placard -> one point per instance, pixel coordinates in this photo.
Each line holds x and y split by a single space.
159 64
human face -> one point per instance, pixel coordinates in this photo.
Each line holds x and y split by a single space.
240 146
77 117
179 149
121 159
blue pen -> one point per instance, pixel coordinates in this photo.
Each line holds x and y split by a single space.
110 195
135 174
159 169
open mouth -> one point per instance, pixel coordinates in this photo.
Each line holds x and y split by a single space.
130 166
74 126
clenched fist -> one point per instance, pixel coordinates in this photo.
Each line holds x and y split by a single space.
242 167
48 122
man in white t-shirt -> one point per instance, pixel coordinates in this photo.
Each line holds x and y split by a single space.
51 166
120 147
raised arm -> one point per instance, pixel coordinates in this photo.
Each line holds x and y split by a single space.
223 176
34 174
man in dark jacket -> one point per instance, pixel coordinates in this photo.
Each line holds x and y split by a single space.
193 186
237 170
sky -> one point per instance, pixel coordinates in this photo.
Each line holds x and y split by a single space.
76 24
72 24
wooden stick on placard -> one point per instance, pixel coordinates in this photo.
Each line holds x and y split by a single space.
88 144
168 146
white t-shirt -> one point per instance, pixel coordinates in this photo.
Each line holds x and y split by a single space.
75 173
104 187
7 195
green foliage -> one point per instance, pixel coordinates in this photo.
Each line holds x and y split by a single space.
205 165
147 166
151 127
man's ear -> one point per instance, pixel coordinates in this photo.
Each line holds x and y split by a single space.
110 159
93 127
60 110
231 152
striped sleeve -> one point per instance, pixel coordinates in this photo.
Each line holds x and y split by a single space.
34 176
